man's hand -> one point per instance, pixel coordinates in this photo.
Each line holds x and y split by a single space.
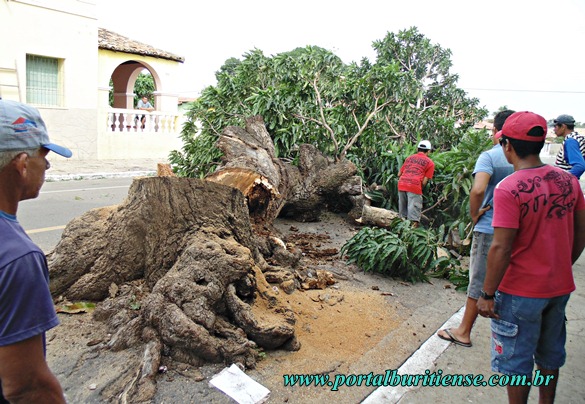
480 213
486 308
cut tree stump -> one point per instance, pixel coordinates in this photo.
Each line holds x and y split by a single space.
179 271
181 266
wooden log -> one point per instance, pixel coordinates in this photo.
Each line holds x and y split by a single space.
377 216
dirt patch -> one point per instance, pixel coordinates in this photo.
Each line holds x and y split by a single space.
334 324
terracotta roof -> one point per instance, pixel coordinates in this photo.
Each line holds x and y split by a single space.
116 42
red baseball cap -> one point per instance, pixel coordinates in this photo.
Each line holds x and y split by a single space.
526 126
498 134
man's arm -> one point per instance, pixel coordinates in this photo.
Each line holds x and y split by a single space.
25 375
429 172
579 235
480 183
498 260
574 157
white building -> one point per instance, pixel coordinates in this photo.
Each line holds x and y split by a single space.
54 56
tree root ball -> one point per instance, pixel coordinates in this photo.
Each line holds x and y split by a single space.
178 269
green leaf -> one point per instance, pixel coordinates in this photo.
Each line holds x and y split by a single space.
75 308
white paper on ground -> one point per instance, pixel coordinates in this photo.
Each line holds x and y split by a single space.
239 386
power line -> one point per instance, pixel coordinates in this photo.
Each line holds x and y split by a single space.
524 91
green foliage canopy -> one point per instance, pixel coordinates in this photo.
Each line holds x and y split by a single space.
354 110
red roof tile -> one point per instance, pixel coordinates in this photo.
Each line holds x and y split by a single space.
112 41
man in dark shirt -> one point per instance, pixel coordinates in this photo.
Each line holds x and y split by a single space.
26 306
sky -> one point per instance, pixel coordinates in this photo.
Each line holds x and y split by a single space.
526 55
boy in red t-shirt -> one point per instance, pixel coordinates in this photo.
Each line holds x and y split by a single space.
539 232
414 174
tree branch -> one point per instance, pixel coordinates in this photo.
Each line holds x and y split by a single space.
308 118
439 201
393 129
377 108
323 120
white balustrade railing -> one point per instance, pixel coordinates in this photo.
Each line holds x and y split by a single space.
131 120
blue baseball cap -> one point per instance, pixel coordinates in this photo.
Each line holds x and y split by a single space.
22 128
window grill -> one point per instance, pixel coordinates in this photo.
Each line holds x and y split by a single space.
44 84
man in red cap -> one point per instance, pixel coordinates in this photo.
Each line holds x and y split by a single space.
539 232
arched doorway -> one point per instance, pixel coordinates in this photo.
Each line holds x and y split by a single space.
123 82
130 81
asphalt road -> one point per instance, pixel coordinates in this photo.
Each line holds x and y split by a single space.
45 217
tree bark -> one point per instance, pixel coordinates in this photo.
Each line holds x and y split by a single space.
274 187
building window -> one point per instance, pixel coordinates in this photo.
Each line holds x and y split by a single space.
44 81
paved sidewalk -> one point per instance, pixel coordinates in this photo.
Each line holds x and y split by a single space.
74 169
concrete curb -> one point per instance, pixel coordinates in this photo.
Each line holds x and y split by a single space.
95 176
424 358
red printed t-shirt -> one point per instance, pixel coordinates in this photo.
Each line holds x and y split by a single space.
540 202
412 172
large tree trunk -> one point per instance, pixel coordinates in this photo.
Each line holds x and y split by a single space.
178 266
274 187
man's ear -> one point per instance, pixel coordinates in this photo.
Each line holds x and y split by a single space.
509 148
21 163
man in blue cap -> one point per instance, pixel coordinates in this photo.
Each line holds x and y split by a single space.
571 155
26 306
